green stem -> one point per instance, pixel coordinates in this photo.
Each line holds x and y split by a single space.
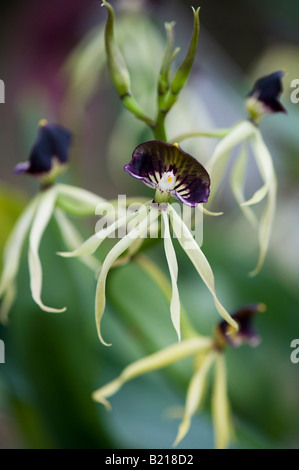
157 275
159 129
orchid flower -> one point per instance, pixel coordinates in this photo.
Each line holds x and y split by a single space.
48 158
262 100
206 351
171 172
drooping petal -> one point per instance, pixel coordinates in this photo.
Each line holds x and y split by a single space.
194 395
90 245
220 405
53 142
199 261
237 184
171 170
155 361
217 164
265 164
72 238
205 211
257 197
112 256
78 201
43 214
12 255
175 306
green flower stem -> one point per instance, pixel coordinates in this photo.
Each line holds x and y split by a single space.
157 275
217 134
131 104
159 129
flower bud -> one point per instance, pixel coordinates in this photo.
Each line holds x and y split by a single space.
117 67
246 334
49 154
263 98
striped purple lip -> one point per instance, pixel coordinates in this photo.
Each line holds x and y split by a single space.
171 170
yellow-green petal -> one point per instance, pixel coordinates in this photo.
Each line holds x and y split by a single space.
237 184
199 261
43 214
194 395
12 256
89 246
73 238
265 164
220 405
155 361
175 306
110 259
217 164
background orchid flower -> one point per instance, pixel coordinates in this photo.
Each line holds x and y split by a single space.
49 155
263 99
171 172
207 352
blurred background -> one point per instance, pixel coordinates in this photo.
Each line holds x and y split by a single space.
52 61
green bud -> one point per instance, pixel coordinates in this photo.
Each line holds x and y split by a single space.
183 71
182 74
117 67
118 70
169 55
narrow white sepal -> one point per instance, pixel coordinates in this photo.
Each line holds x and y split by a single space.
12 255
73 238
237 184
138 231
175 306
264 161
217 163
258 196
43 214
90 245
199 261
220 405
205 211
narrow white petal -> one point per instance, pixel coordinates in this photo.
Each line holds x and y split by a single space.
77 200
220 405
194 395
175 306
237 184
13 250
257 197
217 163
43 214
265 164
199 261
90 245
73 238
112 256
205 211
155 361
